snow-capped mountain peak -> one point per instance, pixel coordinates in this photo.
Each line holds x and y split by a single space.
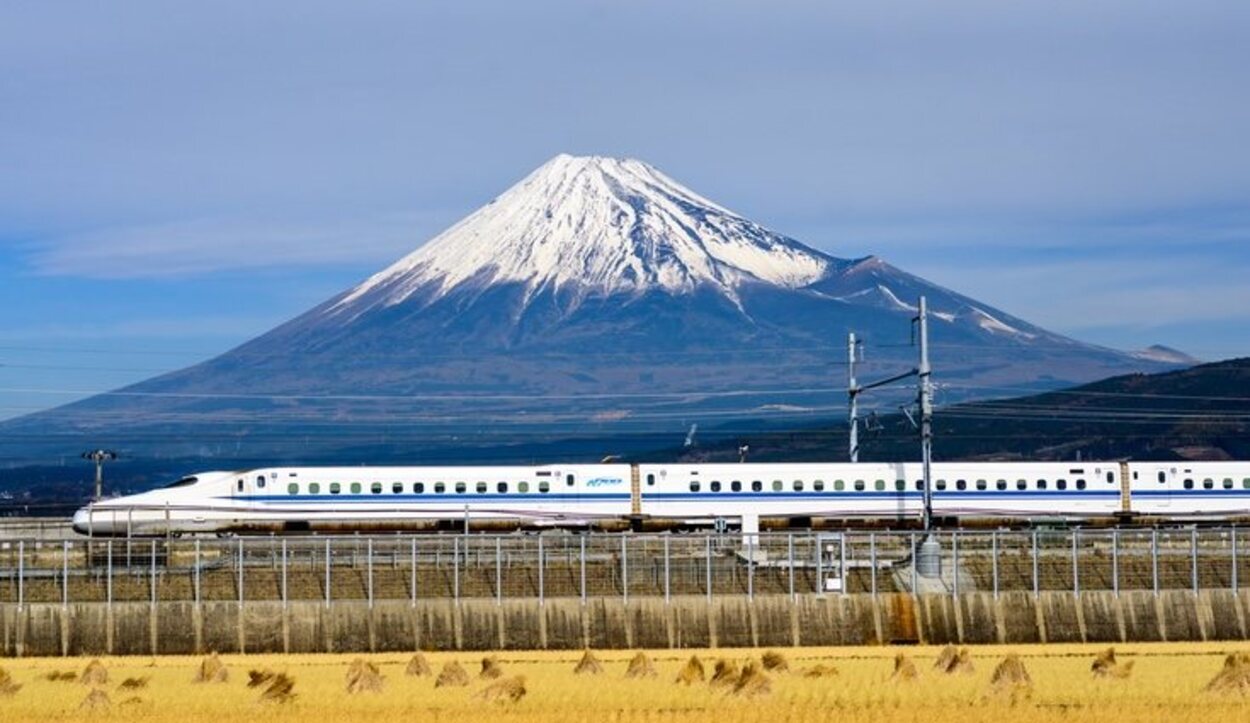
592 225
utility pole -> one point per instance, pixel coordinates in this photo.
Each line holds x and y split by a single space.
99 457
852 392
929 557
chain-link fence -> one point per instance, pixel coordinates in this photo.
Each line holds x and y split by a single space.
567 565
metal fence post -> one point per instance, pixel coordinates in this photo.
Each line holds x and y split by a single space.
412 582
994 561
21 570
152 573
1115 561
872 562
1233 579
369 570
455 569
65 573
820 572
196 572
284 586
1193 558
750 567
624 569
667 592
846 579
542 587
108 574
912 542
240 572
790 563
1154 560
498 571
329 596
708 540
1076 566
582 567
955 563
1037 584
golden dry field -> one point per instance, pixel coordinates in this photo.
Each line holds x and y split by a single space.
1148 682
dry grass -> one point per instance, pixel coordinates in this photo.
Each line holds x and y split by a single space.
1168 685
588 665
954 660
94 674
1105 665
363 677
692 672
904 669
212 670
8 687
452 675
418 667
724 673
63 676
506 690
134 683
491 670
257 678
775 662
1234 677
640 666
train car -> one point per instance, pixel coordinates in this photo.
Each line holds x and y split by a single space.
1189 490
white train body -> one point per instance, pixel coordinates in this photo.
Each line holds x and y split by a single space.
347 498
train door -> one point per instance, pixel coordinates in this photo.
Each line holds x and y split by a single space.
1164 478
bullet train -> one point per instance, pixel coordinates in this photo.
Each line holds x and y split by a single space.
336 499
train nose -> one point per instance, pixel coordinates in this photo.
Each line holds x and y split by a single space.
80 523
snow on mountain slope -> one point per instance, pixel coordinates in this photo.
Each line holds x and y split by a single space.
594 225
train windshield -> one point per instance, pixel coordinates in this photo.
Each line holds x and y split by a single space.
184 482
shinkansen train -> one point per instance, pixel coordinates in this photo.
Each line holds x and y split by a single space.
295 499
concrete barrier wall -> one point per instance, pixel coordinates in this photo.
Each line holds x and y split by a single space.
646 622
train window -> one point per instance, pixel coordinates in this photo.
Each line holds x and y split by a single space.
650 480
982 484
757 486
1022 484
568 480
239 486
461 487
798 485
439 488
544 486
1189 484
355 488
694 485
1245 483
418 487
1001 484
961 485
260 483
900 484
335 488
1208 483
777 485
501 487
1080 484
481 488
1061 484
376 488
715 485
879 484
1228 483
919 485
314 488
1162 477
818 485
522 486
838 485
1041 484
397 488
859 485
292 489
941 484
1111 477
736 486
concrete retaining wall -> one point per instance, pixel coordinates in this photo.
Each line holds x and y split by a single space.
684 622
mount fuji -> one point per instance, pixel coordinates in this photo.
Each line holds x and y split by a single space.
596 294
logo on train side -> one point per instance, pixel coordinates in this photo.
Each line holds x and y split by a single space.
604 481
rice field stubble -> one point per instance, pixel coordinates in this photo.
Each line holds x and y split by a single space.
1168 683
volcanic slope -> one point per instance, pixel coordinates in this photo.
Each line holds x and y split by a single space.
597 294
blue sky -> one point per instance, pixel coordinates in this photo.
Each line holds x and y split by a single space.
176 178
